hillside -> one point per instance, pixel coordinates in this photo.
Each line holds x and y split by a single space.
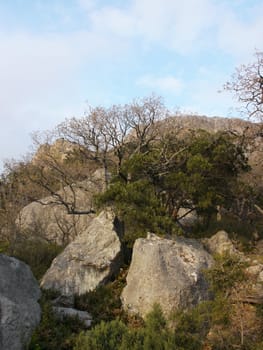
114 222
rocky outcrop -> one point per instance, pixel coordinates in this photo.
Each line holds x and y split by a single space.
68 312
213 124
90 260
19 310
255 282
168 272
220 244
63 308
59 151
49 218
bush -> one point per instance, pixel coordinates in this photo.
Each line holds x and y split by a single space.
37 254
104 302
52 333
154 335
104 336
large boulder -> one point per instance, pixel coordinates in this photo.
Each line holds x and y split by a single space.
220 243
19 310
168 272
89 261
50 220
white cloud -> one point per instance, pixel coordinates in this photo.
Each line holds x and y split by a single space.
168 84
172 24
39 73
177 25
114 21
238 36
183 27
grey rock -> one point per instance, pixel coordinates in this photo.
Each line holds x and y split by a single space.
64 301
64 312
49 219
220 244
19 310
186 217
87 262
168 272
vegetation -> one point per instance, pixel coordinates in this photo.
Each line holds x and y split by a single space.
152 170
199 174
216 324
154 335
52 333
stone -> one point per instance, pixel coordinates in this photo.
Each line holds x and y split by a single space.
186 217
259 247
20 312
64 301
49 220
92 259
168 272
220 244
65 312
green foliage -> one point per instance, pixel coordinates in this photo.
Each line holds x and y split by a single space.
136 202
37 254
226 273
52 333
236 228
4 247
198 173
154 335
104 302
103 336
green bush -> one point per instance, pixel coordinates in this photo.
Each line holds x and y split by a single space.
104 302
52 333
103 336
37 254
154 335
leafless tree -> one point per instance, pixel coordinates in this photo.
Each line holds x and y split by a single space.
142 116
105 134
247 86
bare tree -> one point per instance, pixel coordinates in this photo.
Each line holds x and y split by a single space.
247 86
142 117
66 158
106 133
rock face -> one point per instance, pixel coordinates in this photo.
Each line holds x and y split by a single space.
255 281
168 272
19 310
50 220
220 244
90 260
65 312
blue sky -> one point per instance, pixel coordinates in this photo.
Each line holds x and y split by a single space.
57 55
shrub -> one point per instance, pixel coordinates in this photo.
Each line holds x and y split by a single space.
52 333
154 335
103 336
37 254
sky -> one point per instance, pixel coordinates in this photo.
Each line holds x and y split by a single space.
58 56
